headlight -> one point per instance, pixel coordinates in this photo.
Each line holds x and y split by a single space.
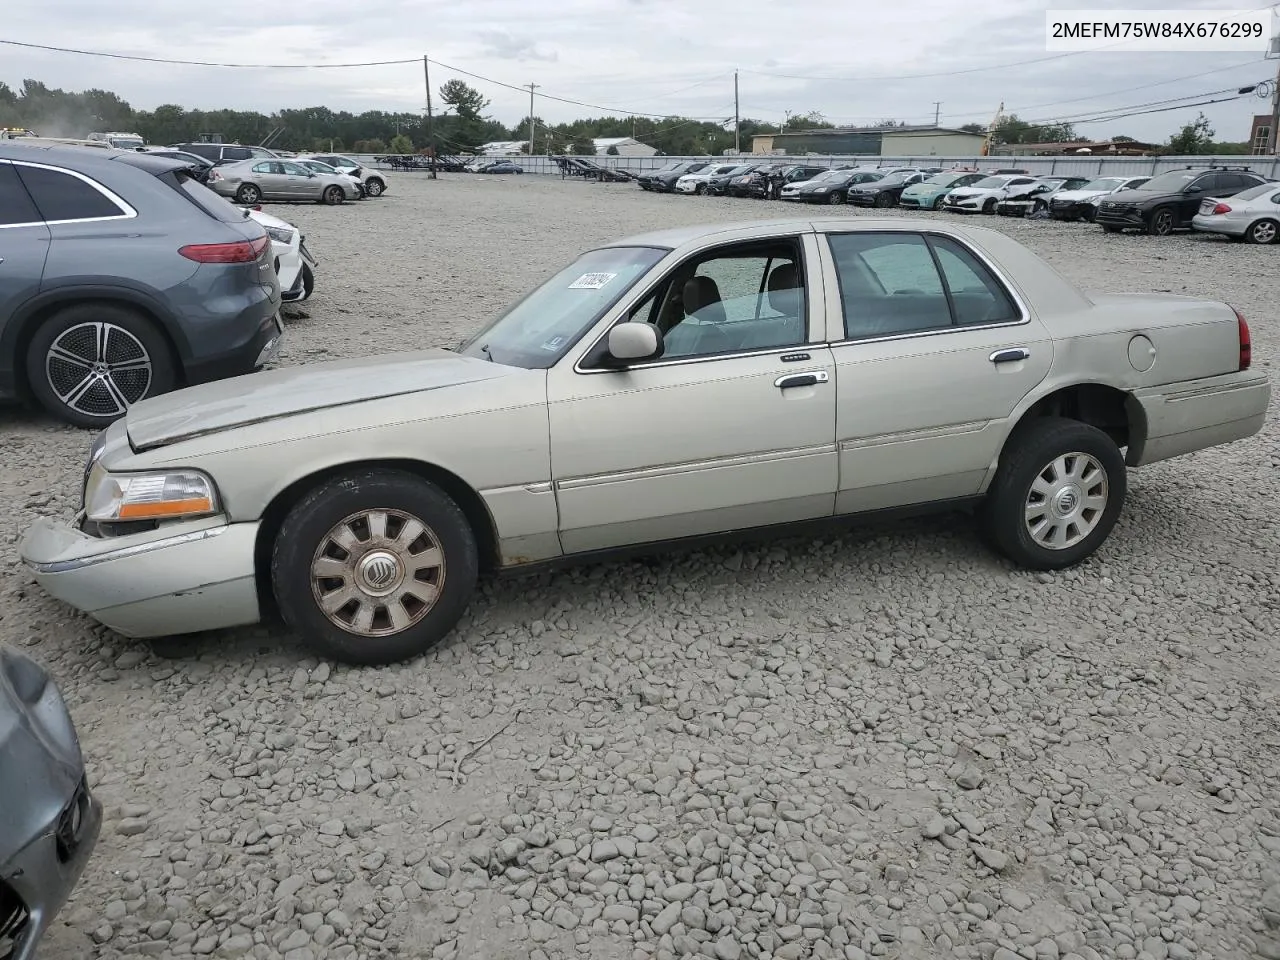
168 495
280 234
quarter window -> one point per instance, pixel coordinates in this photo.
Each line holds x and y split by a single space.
15 205
735 299
60 196
892 284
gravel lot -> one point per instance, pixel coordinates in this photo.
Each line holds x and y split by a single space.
888 744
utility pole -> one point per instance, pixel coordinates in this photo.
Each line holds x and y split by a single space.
431 126
937 111
737 120
532 87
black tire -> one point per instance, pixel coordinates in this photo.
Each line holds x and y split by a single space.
700 189
1090 214
1039 205
836 198
884 200
1029 454
937 204
86 330
374 186
333 196
305 531
989 207
1263 232
249 194
1161 222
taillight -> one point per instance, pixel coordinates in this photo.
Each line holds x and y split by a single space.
1246 341
242 251
1222 208
214 175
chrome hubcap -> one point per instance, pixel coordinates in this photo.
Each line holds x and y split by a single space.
98 369
1264 232
1066 501
377 572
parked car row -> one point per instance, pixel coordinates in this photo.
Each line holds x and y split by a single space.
250 175
1233 201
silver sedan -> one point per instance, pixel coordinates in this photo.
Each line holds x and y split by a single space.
667 388
252 181
1252 215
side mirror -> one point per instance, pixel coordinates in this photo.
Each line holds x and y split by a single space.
1195 188
634 340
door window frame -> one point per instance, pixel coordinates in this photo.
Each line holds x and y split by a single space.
128 212
815 298
835 297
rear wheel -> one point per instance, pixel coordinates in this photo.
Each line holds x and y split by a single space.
89 363
248 194
1264 231
374 567
835 199
1057 495
700 189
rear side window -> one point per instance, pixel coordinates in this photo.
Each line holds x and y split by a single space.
204 198
210 151
60 196
15 205
235 153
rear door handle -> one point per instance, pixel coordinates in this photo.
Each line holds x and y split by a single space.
1010 356
809 379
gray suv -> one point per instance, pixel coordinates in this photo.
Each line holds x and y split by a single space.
122 277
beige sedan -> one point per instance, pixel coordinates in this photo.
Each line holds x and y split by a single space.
667 388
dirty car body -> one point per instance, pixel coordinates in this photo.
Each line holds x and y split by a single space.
833 373
49 819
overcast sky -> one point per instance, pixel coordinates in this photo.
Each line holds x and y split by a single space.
650 56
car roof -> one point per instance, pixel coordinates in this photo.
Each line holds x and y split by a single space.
88 159
676 237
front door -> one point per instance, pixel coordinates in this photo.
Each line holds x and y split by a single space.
936 357
732 427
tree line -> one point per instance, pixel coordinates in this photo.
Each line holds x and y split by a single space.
460 126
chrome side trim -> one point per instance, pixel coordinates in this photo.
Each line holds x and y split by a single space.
926 433
64 566
543 486
674 469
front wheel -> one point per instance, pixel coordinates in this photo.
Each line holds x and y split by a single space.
1057 495
89 363
1161 223
1264 231
333 196
835 199
374 187
989 207
884 200
937 204
374 567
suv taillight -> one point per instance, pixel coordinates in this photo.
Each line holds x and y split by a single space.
1246 341
242 251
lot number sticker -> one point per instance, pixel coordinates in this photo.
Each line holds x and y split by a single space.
591 281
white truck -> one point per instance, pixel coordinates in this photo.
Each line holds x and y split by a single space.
30 136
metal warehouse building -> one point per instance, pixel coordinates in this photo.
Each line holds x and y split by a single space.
874 141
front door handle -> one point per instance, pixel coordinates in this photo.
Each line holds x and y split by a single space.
809 379
1010 356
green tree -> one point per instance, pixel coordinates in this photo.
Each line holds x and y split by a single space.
400 144
582 146
467 101
1195 138
613 150
1014 130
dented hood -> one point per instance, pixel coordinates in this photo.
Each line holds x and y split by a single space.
226 404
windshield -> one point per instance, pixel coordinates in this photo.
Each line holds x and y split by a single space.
1106 183
942 179
537 331
1171 182
892 179
828 175
127 143
986 183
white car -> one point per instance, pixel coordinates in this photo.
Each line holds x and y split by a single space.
982 197
295 266
1252 215
373 183
1075 204
697 182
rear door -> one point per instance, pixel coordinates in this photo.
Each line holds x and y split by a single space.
24 247
936 354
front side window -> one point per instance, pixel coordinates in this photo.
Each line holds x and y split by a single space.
293 170
893 284
538 330
60 196
735 299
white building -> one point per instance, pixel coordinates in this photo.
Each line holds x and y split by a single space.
503 148
624 147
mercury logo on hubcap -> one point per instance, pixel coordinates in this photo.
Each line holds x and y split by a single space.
379 572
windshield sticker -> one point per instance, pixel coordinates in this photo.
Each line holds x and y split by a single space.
591 281
553 344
